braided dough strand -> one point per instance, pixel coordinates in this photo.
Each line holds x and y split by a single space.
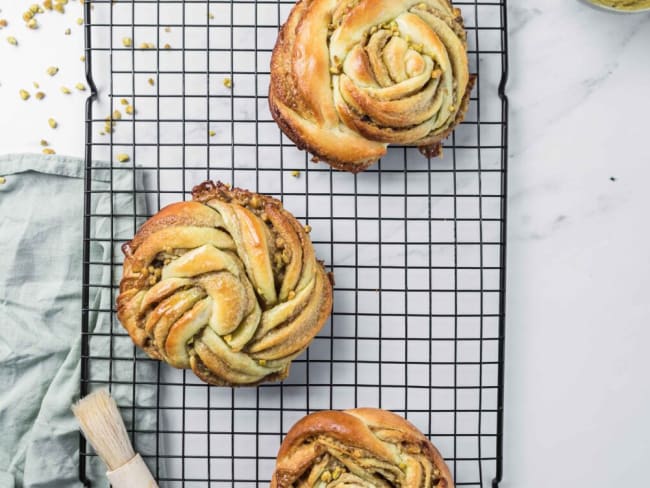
350 77
364 447
227 285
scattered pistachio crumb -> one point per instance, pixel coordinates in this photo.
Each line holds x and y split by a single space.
127 41
228 338
122 157
124 101
80 21
48 150
326 476
80 86
402 466
59 8
150 81
307 229
212 133
24 94
227 82
3 23
28 15
262 362
47 4
295 173
167 46
129 109
12 40
168 29
67 31
117 115
82 58
36 85
32 24
52 123
210 15
34 8
39 95
44 142
65 90
146 45
3 180
52 70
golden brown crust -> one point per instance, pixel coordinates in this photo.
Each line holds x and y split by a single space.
361 447
350 78
227 285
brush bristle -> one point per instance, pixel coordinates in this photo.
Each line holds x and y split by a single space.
102 425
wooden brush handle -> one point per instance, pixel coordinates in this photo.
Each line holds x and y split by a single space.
134 474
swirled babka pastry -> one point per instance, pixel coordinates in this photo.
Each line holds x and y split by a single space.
364 448
350 77
227 285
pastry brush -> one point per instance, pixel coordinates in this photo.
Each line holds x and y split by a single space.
102 425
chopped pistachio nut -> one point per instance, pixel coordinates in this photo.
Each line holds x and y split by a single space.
44 142
48 150
47 4
24 94
167 46
82 58
39 95
337 472
67 31
228 338
212 133
452 108
3 23
32 24
129 109
34 8
146 45
117 115
122 157
127 41
80 86
36 85
80 21
210 15
59 8
326 476
295 173
12 40
52 123
402 466
168 29
227 82
52 70
150 81
124 101
65 90
262 362
28 15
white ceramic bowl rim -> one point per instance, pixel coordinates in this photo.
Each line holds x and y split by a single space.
612 9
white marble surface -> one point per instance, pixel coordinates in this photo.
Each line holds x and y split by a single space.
577 392
577 387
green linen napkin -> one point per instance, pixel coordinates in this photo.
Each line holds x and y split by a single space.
41 213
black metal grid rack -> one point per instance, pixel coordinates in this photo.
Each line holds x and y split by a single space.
416 245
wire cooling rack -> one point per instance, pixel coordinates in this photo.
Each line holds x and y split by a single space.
416 245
